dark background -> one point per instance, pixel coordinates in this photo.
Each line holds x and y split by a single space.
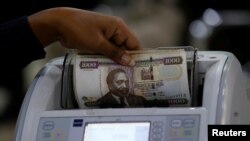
233 38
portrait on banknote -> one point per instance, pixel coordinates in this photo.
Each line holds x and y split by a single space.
120 95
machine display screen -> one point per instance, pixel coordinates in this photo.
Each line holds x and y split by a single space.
130 131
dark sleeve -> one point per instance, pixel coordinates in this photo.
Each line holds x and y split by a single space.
18 44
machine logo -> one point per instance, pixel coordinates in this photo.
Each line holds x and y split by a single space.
77 122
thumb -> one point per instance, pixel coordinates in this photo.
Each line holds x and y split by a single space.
126 59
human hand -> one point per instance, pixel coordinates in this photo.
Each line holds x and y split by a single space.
85 30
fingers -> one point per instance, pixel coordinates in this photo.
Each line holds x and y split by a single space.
120 35
117 54
130 41
119 39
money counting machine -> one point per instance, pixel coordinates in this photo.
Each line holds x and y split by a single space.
218 96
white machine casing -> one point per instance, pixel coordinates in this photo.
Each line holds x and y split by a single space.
220 79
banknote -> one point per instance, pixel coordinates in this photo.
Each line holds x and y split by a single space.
158 79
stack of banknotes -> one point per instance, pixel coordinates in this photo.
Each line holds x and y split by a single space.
158 79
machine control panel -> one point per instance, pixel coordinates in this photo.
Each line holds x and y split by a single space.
179 127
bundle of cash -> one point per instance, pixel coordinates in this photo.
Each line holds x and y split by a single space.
159 78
